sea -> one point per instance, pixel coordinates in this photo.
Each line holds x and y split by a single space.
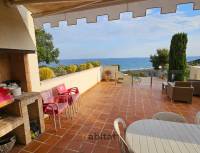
134 63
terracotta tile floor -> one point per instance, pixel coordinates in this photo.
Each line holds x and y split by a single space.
99 107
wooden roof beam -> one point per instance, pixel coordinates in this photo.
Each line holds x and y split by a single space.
22 2
66 10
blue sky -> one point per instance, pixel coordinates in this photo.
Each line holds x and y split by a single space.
127 37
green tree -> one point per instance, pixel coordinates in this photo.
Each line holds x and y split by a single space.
177 57
163 56
45 48
155 61
160 58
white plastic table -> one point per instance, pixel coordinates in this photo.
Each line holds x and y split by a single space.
154 136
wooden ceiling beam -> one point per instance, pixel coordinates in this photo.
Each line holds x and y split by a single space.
23 2
79 7
63 10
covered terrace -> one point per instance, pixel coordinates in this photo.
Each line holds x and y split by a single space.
101 104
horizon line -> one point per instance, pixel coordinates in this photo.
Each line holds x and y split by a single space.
113 58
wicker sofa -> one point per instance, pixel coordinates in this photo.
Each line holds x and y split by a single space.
196 85
180 91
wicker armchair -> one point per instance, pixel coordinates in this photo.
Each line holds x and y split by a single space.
196 85
169 116
180 91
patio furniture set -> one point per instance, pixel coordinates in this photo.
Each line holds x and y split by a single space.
182 90
165 132
60 100
18 113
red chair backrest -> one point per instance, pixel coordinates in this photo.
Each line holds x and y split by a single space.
47 96
61 89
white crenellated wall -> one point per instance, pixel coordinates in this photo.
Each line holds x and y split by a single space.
84 80
195 72
137 7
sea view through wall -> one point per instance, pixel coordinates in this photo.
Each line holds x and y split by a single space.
125 63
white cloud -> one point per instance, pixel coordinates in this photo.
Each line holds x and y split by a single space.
127 37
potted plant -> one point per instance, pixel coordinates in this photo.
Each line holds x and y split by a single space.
107 75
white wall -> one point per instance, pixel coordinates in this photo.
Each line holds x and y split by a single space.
84 80
32 62
28 21
15 32
195 72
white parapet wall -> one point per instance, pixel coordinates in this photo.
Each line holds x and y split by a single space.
84 80
195 72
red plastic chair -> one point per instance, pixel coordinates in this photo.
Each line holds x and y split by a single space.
71 95
52 106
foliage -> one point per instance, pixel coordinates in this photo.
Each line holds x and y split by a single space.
131 73
136 74
71 68
89 65
40 66
160 59
194 62
95 63
155 61
163 55
177 57
187 72
141 74
166 68
59 70
45 48
82 67
63 70
46 73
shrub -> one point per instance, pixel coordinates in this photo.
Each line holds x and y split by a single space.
129 72
89 65
95 63
160 58
154 59
46 73
141 74
40 66
71 68
136 74
82 67
59 70
177 57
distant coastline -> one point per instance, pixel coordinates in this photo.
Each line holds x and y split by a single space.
136 63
